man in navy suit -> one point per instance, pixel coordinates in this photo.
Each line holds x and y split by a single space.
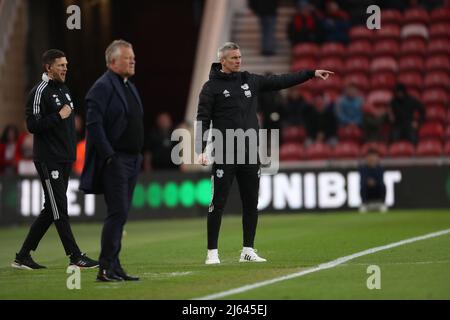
115 137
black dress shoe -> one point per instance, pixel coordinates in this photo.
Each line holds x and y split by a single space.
125 276
105 276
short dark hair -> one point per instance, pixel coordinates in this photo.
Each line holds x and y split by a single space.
373 151
50 56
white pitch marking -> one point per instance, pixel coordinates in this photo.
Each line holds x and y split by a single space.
327 265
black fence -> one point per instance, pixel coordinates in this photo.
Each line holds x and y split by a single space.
174 194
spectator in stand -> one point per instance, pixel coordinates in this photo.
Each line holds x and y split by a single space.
306 25
266 10
403 113
81 145
24 154
8 147
270 105
294 110
373 189
349 107
320 121
374 120
336 23
158 145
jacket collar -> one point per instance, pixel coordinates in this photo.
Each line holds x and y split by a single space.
116 80
216 73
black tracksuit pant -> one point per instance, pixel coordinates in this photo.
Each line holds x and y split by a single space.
55 179
222 177
119 179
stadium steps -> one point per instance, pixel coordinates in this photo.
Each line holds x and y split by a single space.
246 32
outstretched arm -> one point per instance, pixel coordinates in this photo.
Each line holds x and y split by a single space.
284 81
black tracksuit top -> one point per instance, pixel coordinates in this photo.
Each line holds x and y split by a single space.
54 139
230 100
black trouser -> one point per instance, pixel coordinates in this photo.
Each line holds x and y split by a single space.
119 179
55 179
248 180
375 193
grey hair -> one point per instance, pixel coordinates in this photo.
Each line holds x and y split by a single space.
226 47
112 51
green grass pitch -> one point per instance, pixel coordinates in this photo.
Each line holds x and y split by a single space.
169 256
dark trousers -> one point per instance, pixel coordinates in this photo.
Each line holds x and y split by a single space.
248 180
375 193
119 179
55 179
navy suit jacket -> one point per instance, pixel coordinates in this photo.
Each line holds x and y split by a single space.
106 120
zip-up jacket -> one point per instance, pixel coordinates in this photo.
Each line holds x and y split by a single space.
229 100
54 138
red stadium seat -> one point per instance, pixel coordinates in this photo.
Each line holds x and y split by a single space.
447 134
332 63
439 46
431 130
429 148
416 15
435 96
379 98
379 146
304 64
292 152
388 31
382 80
440 14
386 48
294 134
437 79
359 80
361 32
438 63
413 47
344 150
333 83
332 49
436 114
412 80
384 64
411 63
391 16
350 133
414 31
440 30
359 48
357 64
306 50
401 149
318 151
447 148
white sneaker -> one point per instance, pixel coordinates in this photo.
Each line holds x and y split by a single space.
212 257
363 209
249 255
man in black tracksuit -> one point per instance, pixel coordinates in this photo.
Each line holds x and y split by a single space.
229 101
50 118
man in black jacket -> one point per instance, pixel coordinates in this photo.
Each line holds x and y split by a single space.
114 141
229 101
50 118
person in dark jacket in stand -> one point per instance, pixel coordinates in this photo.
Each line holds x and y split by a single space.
266 10
229 100
50 118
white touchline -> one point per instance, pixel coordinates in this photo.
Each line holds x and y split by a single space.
323 266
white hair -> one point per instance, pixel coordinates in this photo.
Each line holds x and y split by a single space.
226 47
112 52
